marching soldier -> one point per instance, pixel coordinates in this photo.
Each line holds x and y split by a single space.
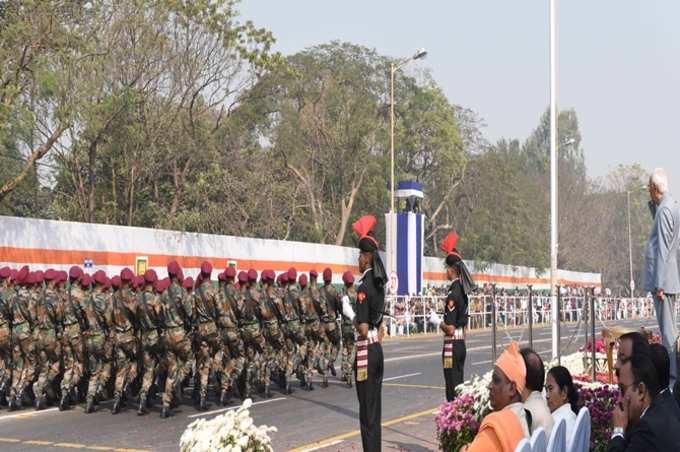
6 292
234 349
252 332
176 314
269 315
293 328
208 338
348 347
368 325
330 296
313 333
46 337
149 320
70 313
96 338
122 326
23 354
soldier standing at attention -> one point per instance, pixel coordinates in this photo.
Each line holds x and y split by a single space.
368 325
349 296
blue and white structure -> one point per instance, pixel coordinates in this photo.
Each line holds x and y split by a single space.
405 239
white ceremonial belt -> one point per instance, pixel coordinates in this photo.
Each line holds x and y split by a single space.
371 338
458 334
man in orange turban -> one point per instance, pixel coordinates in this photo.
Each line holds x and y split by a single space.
505 427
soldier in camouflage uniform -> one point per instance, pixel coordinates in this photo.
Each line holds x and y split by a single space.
349 294
70 313
47 335
207 336
275 356
148 315
289 318
23 354
330 298
6 292
313 332
121 320
176 314
228 322
251 332
97 344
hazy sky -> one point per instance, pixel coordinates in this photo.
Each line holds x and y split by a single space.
618 62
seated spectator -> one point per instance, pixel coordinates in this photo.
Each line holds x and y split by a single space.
630 344
533 392
639 422
562 398
662 364
506 426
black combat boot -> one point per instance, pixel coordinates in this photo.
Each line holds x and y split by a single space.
324 382
141 410
89 408
224 398
203 404
165 412
115 409
64 402
331 367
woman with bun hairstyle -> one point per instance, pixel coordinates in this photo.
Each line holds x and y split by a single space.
562 398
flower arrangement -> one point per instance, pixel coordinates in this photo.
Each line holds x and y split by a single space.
600 400
599 346
457 423
233 431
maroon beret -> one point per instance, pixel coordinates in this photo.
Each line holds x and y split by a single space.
5 272
100 277
313 273
242 277
138 281
328 275
221 277
188 282
126 274
159 285
348 278
75 272
252 275
230 272
303 280
174 268
63 276
206 268
13 274
150 276
292 275
107 282
50 275
116 282
39 276
22 274
85 281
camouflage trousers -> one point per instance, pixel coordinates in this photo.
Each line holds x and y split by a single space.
74 357
125 357
48 350
25 361
256 348
277 359
296 348
349 351
5 358
99 357
316 350
332 341
150 354
233 358
208 355
178 356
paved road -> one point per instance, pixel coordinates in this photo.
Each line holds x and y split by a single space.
413 383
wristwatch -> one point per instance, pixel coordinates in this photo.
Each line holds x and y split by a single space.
618 431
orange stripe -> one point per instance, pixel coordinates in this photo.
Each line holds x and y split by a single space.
77 257
46 256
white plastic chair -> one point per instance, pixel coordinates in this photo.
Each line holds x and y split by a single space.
580 440
523 446
558 440
539 441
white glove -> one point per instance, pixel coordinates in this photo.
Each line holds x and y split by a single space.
434 319
347 310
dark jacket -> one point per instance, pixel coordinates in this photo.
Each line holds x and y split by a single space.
658 430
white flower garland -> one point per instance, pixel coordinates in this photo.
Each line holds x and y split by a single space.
233 431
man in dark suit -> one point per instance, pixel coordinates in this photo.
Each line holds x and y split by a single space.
641 422
662 364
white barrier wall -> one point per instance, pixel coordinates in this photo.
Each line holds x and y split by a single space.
59 244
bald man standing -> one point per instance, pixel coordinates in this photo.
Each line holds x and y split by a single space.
661 276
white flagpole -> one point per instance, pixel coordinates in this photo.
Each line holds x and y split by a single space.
553 182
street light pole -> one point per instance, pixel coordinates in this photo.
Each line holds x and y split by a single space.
553 184
393 69
630 247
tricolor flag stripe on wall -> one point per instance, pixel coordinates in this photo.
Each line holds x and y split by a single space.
409 253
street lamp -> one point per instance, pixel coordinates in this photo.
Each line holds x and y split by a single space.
394 67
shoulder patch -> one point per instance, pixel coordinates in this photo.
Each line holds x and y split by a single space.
361 296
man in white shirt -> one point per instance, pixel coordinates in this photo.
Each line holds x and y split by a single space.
532 395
